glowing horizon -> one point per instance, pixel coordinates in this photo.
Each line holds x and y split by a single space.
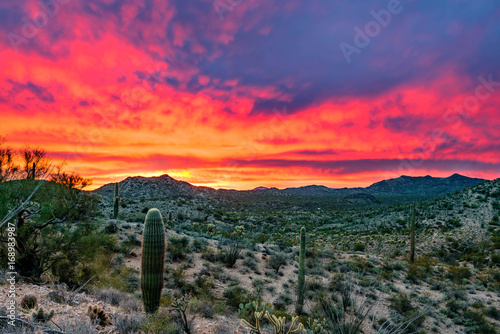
258 94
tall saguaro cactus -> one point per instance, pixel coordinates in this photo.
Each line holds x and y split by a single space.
153 260
302 272
116 202
412 234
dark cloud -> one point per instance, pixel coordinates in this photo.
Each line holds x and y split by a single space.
40 92
341 167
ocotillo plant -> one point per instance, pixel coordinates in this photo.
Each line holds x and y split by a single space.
412 234
302 273
153 260
116 202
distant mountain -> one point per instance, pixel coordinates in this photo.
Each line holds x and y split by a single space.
153 187
315 190
403 185
422 185
260 188
166 187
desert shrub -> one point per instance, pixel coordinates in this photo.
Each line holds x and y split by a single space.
272 274
128 323
176 277
209 254
132 282
456 306
341 315
161 322
492 312
223 329
204 285
314 286
220 307
230 254
401 303
129 244
421 269
397 252
359 247
199 244
251 263
29 302
278 260
57 296
456 293
282 301
236 295
178 247
458 274
406 312
130 305
475 323
203 307
78 326
495 258
315 267
111 228
258 285
111 296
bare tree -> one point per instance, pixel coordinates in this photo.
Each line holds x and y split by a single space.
69 180
36 163
8 169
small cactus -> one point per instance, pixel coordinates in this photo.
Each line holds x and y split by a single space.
302 264
116 202
29 302
98 315
41 316
153 260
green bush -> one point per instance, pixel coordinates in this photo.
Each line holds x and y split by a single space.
178 247
359 247
458 274
236 295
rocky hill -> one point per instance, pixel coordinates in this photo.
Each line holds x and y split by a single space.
153 187
422 185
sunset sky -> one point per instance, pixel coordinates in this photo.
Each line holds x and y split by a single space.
246 93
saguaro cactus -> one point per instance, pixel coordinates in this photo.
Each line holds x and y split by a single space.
302 273
412 234
33 172
116 202
153 260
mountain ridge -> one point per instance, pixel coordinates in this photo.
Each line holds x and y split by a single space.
166 186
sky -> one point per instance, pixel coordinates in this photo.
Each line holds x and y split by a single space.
246 93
